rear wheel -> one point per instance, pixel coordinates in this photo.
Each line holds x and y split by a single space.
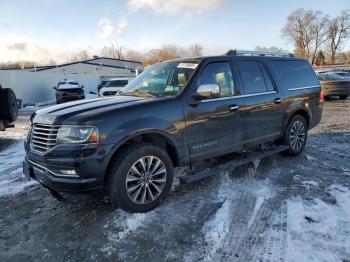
295 135
343 97
140 178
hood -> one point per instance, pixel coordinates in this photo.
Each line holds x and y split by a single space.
78 111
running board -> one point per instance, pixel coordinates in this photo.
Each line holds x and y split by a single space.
250 157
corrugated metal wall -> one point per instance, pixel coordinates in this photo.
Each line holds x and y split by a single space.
37 87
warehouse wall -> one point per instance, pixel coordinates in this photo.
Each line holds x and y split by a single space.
36 87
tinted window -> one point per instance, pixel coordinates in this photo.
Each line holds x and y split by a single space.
295 74
268 81
117 83
252 76
220 74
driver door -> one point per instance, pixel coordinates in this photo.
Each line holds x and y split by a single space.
215 125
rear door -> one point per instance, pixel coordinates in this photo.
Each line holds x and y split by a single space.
215 126
264 107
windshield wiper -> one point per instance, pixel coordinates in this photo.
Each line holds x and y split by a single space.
137 92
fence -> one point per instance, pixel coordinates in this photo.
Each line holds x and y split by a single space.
37 87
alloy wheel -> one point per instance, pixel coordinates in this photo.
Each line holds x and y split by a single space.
297 135
146 179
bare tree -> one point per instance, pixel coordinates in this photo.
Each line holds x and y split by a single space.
113 51
345 57
18 64
80 56
270 49
134 56
338 32
195 50
307 30
320 58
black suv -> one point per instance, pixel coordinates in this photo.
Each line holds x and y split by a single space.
173 114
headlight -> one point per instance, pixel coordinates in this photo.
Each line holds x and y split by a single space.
77 135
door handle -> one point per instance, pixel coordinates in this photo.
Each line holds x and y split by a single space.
234 107
278 101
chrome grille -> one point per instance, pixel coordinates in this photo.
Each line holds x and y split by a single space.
43 137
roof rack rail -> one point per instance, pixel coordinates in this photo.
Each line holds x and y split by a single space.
257 53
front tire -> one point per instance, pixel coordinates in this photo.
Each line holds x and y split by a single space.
343 97
295 135
140 178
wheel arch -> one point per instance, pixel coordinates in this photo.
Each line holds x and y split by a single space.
154 137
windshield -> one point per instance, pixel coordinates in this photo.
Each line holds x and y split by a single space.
163 79
116 83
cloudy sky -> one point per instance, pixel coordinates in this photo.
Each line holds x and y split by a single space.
41 30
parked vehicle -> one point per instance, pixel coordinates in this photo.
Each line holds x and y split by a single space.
8 108
345 75
335 84
69 90
101 85
113 86
175 113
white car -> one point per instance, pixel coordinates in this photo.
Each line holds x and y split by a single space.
113 86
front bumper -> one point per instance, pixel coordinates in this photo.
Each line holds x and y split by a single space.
89 167
45 177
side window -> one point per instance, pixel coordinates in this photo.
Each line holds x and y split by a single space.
268 81
253 78
295 73
220 74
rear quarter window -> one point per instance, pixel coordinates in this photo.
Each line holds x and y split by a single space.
295 73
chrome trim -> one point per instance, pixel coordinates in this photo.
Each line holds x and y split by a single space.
46 169
239 96
301 88
43 138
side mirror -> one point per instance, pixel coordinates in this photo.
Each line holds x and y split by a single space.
55 87
82 87
207 91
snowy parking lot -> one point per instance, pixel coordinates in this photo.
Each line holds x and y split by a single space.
276 209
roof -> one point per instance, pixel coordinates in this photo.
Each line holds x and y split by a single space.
89 61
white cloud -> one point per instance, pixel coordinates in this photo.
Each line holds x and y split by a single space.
177 7
122 26
24 48
106 28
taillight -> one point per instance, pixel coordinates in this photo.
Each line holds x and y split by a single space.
321 96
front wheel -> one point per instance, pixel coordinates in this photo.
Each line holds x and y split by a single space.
295 135
141 177
343 97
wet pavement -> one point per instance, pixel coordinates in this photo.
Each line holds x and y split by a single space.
238 214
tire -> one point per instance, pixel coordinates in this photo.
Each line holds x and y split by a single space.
295 135
8 105
139 193
343 97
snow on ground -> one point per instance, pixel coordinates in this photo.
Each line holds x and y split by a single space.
319 231
310 184
118 231
12 179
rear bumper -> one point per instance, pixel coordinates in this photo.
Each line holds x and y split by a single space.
69 98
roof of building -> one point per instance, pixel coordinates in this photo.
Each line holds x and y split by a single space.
89 61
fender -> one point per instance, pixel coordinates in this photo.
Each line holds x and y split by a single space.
174 134
294 107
